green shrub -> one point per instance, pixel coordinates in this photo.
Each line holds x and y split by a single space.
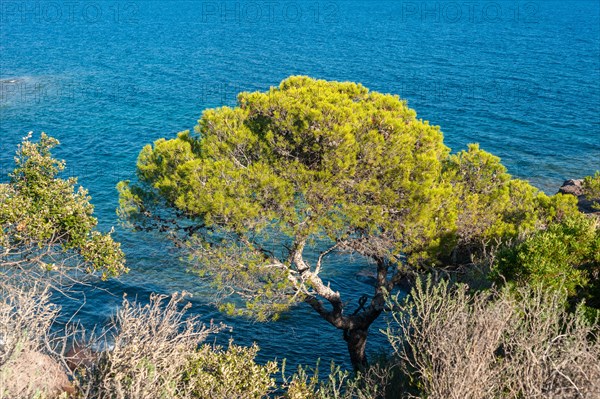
565 256
493 208
47 223
379 380
233 373
591 187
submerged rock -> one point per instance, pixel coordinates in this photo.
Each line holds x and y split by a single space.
80 356
367 276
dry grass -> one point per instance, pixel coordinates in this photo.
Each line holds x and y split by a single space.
149 350
452 344
152 351
495 345
25 319
26 368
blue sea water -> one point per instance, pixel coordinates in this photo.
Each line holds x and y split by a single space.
522 78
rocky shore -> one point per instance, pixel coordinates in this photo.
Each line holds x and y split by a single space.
575 187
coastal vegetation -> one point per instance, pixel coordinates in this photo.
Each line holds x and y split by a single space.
503 279
265 193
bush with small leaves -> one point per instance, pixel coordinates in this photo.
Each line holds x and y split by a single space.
378 381
591 187
565 256
495 209
216 373
47 223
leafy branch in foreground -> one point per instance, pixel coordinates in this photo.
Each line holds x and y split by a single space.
46 223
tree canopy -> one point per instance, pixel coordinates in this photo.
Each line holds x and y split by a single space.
494 208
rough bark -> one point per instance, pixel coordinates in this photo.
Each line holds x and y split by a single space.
357 342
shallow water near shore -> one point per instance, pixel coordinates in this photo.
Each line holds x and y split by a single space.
107 77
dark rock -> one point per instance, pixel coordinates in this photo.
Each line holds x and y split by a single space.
575 187
80 356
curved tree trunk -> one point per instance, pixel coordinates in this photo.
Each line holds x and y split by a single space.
357 341
355 326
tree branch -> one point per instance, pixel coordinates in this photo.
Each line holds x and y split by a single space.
321 256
